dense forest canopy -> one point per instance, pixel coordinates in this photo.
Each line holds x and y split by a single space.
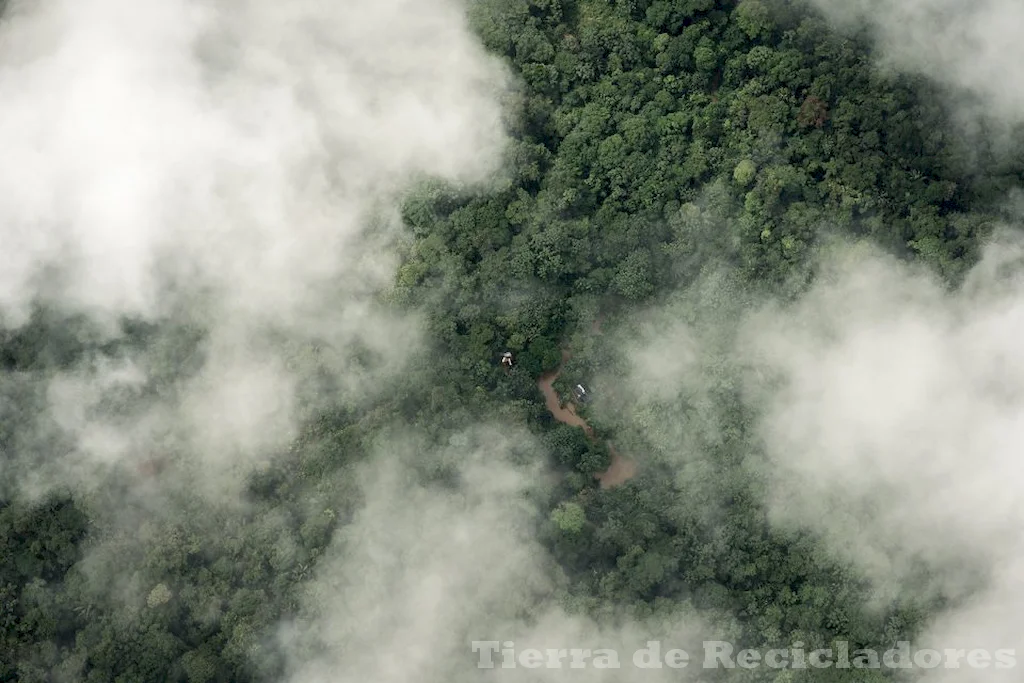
732 222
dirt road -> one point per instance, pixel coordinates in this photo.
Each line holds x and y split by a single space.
622 469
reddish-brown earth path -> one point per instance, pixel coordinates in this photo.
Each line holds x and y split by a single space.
622 469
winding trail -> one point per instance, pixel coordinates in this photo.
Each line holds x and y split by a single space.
622 469
563 413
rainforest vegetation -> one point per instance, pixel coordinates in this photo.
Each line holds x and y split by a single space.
659 148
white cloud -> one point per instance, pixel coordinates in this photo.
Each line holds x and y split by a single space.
895 410
972 45
235 166
423 571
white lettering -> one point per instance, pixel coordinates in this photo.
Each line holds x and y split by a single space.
927 659
776 659
648 657
486 648
748 659
677 659
979 659
1006 659
531 658
799 656
579 658
816 658
719 648
899 656
555 658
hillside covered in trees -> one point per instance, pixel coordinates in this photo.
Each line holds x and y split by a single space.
671 163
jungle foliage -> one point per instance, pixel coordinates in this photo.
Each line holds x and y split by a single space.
653 139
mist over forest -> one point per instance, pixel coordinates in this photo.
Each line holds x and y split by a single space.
335 337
